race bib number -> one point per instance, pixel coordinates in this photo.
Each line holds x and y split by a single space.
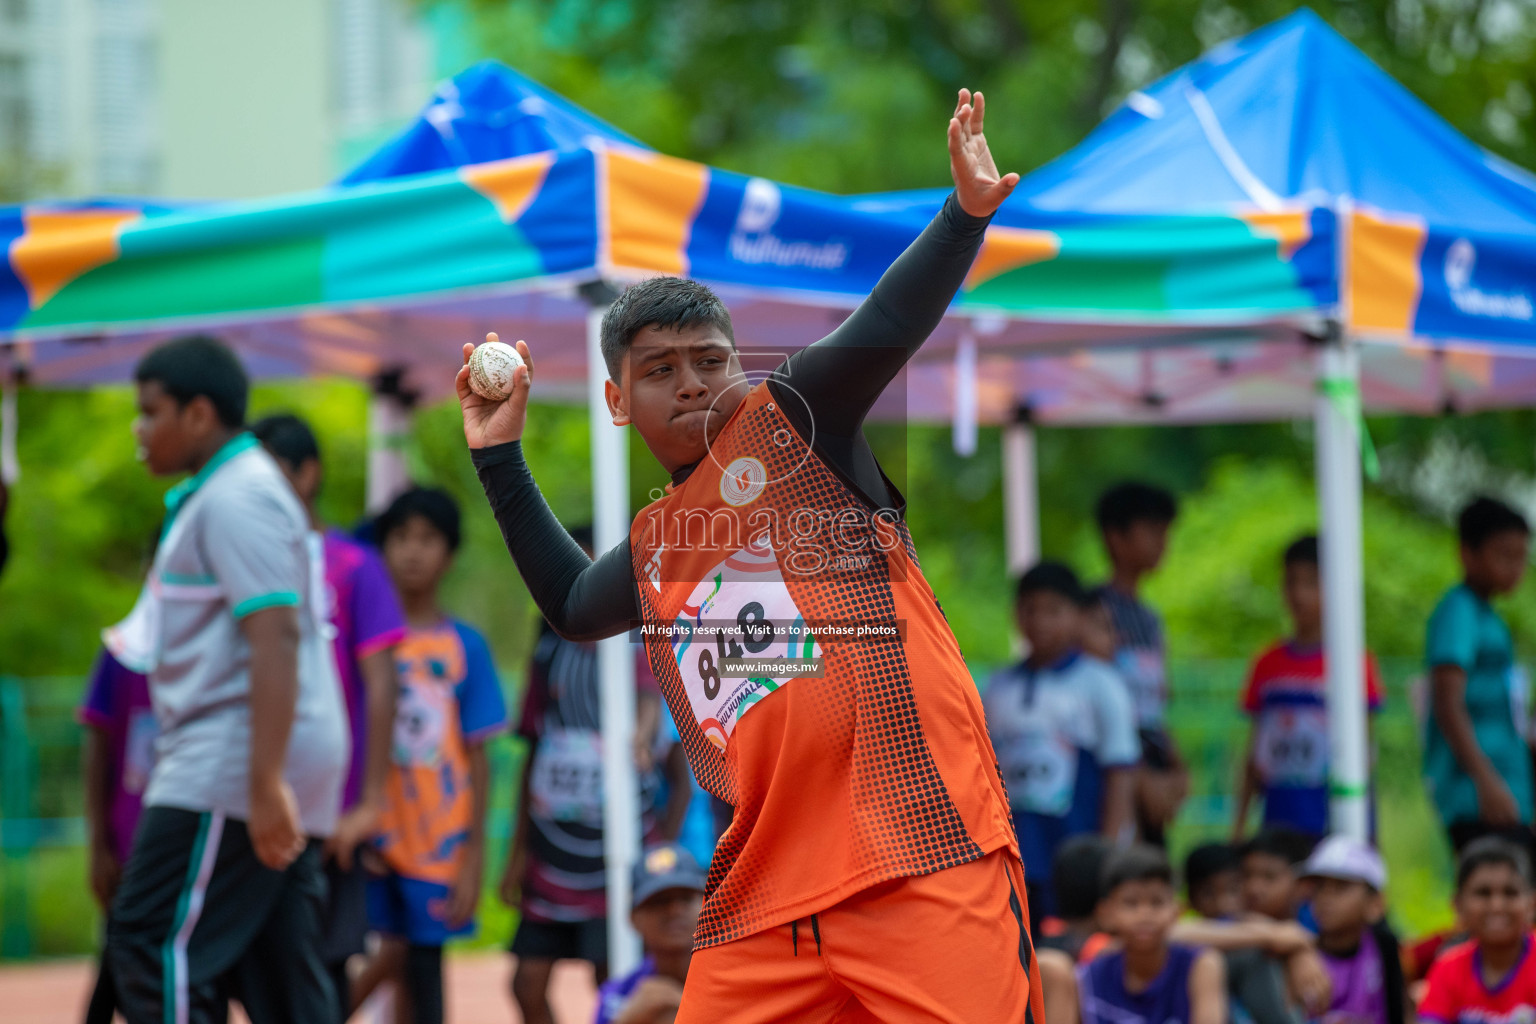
139 750
566 780
1292 746
741 610
1143 670
1040 769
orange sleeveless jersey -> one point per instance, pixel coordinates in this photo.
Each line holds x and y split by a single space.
881 768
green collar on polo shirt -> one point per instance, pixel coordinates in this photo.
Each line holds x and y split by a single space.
177 496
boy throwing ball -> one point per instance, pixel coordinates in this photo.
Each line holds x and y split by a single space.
870 870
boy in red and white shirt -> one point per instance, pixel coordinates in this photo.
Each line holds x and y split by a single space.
1287 760
1490 978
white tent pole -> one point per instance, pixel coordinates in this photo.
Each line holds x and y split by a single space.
964 419
615 664
1339 496
10 462
389 425
1021 495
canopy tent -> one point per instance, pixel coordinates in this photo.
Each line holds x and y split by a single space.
1226 228
1417 245
1204 288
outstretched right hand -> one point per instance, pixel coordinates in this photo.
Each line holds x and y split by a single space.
487 422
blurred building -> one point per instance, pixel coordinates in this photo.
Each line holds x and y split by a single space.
207 98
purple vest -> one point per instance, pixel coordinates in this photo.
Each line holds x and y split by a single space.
1359 988
1101 990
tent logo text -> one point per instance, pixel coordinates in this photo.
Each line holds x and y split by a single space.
1460 260
753 240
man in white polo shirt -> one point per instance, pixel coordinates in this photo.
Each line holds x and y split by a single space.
224 889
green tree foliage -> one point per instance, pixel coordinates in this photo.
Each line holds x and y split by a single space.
833 94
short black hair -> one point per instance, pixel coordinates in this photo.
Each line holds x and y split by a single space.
1054 578
1139 862
1132 502
1485 518
288 438
1075 871
1489 850
436 506
1205 863
1280 841
1301 551
666 302
199 365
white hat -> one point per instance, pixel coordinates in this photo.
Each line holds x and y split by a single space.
1347 859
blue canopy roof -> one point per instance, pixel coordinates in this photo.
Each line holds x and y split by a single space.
486 112
1292 111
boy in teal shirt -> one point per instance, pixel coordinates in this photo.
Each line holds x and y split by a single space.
1475 755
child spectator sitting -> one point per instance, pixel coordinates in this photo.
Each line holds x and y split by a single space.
1075 871
432 831
1491 979
1287 758
1358 948
1475 753
1149 978
1213 880
1270 863
668 891
1064 730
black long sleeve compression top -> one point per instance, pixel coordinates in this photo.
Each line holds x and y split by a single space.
839 377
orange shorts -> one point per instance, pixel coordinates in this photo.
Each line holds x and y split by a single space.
949 947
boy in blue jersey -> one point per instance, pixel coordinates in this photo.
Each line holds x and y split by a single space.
1150 977
1064 729
1475 754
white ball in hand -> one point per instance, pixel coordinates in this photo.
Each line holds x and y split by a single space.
491 365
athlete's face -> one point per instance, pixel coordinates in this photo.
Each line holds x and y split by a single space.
1269 886
1097 635
303 478
1139 547
1496 565
1051 622
170 434
1220 896
667 920
1495 905
1304 598
417 556
1344 908
1140 914
678 388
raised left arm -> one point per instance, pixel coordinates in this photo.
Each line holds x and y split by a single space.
841 376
